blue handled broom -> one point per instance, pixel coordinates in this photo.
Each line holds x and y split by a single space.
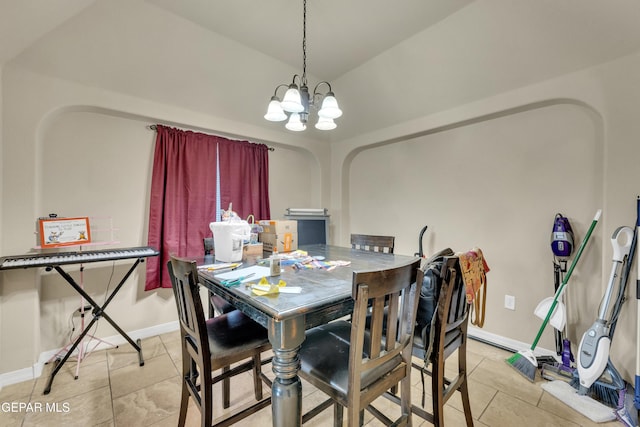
636 400
525 361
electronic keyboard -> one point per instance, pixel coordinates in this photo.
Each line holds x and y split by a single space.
78 257
54 261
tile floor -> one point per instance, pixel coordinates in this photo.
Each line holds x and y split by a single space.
112 390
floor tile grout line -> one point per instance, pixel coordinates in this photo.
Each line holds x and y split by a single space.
178 368
113 409
486 407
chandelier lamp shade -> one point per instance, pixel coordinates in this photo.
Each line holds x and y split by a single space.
297 100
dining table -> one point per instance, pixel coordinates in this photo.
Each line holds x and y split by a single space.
325 282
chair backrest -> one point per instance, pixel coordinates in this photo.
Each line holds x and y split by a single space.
208 245
452 312
450 334
392 297
184 281
371 243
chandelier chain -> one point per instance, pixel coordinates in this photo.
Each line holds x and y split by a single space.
304 43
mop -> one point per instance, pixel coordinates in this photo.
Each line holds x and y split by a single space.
590 408
525 361
593 352
610 388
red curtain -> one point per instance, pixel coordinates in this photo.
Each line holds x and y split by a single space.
244 178
183 192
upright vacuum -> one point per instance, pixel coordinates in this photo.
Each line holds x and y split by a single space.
562 243
562 246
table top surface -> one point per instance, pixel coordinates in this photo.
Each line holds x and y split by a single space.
320 288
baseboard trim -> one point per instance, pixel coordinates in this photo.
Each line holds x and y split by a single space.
504 342
35 371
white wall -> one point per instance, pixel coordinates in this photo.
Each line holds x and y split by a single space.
496 184
294 180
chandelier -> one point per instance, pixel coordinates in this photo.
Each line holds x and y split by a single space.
297 99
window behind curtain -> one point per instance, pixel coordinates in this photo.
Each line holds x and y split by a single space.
183 192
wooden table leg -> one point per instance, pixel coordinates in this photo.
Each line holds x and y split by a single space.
286 399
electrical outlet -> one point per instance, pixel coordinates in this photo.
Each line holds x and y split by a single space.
87 310
510 302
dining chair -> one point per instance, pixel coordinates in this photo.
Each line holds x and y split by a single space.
214 344
217 304
349 361
447 334
209 246
366 242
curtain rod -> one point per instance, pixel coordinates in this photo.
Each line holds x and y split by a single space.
154 127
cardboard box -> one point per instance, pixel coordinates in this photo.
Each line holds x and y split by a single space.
285 242
250 250
279 226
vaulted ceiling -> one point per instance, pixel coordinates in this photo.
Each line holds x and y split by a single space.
388 62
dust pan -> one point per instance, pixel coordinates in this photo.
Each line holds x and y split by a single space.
559 316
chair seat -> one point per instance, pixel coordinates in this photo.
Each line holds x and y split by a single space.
325 356
221 305
420 346
234 333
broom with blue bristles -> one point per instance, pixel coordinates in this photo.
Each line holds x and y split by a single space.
525 361
636 400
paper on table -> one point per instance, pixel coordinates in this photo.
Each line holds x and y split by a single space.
224 266
258 273
282 289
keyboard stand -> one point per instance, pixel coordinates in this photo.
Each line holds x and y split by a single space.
98 312
83 351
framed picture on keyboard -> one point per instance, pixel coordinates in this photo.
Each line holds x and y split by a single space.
56 232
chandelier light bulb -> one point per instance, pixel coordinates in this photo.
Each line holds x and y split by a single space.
292 102
275 113
295 124
325 123
330 107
